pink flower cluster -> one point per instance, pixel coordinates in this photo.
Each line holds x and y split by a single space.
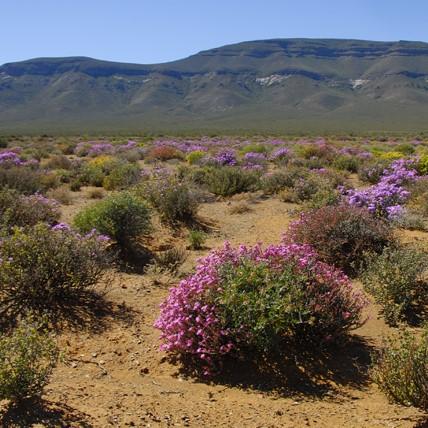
192 324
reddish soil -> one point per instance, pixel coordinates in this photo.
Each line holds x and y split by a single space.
114 375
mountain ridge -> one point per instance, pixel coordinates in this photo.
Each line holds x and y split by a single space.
274 84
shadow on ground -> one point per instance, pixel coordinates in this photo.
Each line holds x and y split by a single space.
44 413
297 372
87 310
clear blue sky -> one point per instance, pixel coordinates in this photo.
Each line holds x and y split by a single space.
163 30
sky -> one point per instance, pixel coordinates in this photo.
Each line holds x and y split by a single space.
156 31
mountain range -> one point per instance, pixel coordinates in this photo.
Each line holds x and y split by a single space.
279 85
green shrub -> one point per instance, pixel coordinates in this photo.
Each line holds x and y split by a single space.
228 181
346 163
23 179
173 199
422 165
405 149
193 158
196 239
46 269
396 280
122 216
76 185
254 148
323 197
273 183
122 177
401 370
27 358
93 175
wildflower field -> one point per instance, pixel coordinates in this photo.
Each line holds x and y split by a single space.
214 281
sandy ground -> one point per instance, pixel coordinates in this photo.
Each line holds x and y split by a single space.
114 374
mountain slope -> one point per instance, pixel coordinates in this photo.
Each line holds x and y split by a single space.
277 85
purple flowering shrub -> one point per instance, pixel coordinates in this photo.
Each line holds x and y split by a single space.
385 199
341 235
44 269
248 299
281 155
225 157
9 158
20 210
254 160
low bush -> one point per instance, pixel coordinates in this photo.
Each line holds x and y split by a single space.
61 194
325 196
96 194
346 163
122 216
173 199
44 269
418 201
228 181
341 235
23 179
254 148
422 165
241 207
170 260
246 300
401 370
196 239
411 220
273 183
21 210
59 162
122 176
164 153
371 172
195 157
27 358
397 280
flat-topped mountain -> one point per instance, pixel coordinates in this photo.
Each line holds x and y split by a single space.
269 85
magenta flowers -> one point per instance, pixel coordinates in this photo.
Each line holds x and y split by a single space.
199 318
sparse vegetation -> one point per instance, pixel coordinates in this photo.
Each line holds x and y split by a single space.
27 358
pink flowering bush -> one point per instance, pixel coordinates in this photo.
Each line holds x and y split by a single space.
248 299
